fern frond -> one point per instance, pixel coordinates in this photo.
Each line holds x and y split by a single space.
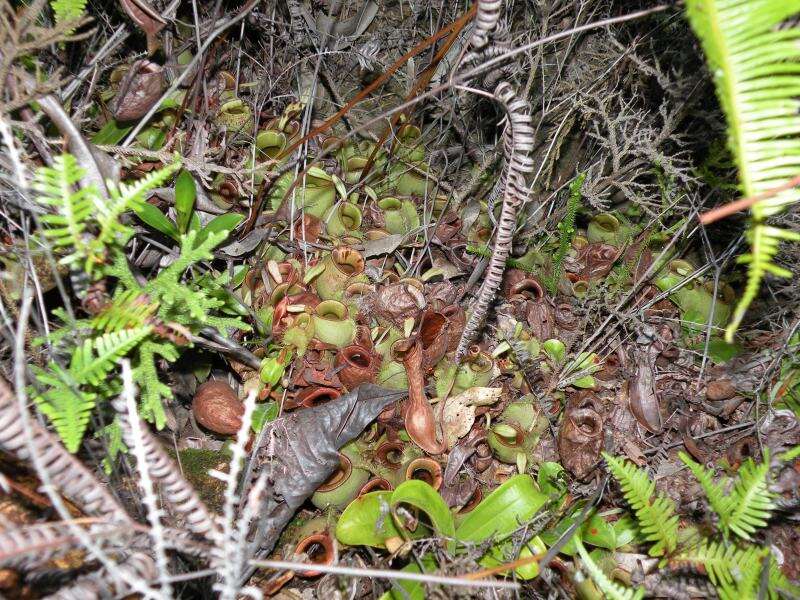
191 253
566 231
65 405
93 360
779 584
715 493
113 444
182 303
146 375
751 499
749 504
610 589
723 563
67 10
68 474
755 68
748 577
74 206
129 309
655 513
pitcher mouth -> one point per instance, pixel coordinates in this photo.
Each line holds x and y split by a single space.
358 357
331 310
511 442
529 285
376 484
390 454
427 470
348 260
339 476
319 549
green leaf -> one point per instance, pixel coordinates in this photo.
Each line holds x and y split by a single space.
552 479
111 133
340 188
556 350
271 371
263 414
157 220
185 195
503 511
152 138
221 224
367 521
599 532
719 350
585 382
422 496
611 589
530 549
411 590
194 223
553 534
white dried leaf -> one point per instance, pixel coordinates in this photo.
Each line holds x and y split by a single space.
457 416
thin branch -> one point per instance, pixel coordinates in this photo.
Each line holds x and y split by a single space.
715 214
284 565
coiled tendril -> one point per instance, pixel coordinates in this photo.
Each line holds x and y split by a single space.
517 145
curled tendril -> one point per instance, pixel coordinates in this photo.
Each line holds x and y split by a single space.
518 144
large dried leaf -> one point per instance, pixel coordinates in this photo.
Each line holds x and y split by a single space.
457 416
299 451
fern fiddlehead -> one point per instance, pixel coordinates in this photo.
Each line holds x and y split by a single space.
518 143
486 18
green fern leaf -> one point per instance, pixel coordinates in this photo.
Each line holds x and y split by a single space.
67 10
74 207
93 360
153 392
748 578
655 513
114 444
66 406
758 91
715 493
610 589
129 309
181 302
734 570
722 563
566 231
779 584
751 499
